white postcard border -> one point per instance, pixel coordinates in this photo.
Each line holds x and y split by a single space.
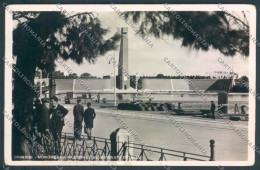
144 7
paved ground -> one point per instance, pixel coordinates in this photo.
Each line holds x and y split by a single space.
155 129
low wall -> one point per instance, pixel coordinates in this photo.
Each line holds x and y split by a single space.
181 84
63 85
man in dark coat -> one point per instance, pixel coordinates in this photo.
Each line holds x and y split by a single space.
89 116
43 118
78 112
37 109
58 112
212 109
44 136
98 98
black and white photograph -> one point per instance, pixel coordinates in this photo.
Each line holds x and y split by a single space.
130 85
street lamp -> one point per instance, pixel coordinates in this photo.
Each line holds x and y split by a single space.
136 81
114 66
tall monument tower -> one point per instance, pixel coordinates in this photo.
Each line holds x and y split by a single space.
124 81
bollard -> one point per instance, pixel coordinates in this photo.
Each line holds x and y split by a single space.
120 142
212 150
184 157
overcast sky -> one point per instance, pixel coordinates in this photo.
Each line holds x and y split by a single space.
145 60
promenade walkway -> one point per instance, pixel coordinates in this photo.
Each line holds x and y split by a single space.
155 129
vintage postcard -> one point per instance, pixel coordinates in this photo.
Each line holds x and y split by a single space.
130 85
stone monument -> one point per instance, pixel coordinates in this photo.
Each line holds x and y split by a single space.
124 81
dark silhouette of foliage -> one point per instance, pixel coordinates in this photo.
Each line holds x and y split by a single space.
215 28
239 89
85 75
244 78
39 39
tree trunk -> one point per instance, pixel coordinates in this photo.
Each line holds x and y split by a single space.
23 95
52 86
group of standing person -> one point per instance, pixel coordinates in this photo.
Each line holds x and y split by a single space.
51 120
79 115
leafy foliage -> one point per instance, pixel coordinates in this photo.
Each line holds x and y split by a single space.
215 28
63 36
76 37
38 40
85 75
239 89
244 79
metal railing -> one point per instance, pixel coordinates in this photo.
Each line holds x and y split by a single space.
95 149
151 153
99 149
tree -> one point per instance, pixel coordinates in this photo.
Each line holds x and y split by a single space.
239 89
39 39
160 76
59 75
197 29
244 79
85 75
72 76
106 77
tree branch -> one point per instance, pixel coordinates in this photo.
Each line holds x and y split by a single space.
245 17
89 13
18 15
237 19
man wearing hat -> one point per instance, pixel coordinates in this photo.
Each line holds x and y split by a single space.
57 112
43 126
78 112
